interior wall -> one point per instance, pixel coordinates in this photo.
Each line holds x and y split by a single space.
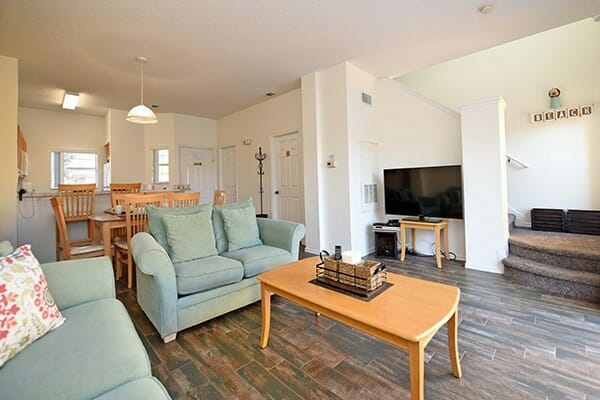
127 150
9 99
47 131
259 123
160 135
195 132
564 167
414 131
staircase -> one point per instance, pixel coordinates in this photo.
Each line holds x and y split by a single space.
561 263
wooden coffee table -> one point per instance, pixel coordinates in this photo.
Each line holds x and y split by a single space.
407 315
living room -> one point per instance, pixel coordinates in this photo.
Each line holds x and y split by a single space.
412 121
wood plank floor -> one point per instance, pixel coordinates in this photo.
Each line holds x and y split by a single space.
515 343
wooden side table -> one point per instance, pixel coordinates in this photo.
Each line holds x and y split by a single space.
436 227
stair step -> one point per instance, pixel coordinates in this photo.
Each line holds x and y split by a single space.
564 274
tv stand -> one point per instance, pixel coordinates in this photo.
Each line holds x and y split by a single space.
437 227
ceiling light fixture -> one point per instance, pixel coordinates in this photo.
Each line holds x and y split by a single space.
486 8
141 114
70 100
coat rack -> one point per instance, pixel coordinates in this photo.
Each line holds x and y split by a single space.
260 156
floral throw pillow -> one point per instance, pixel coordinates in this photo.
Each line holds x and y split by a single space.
27 309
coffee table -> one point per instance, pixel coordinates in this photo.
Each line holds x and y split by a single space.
407 315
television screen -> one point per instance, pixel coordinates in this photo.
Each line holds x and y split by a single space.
427 191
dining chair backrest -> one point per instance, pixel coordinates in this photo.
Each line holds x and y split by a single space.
77 201
186 199
63 234
123 188
135 211
219 197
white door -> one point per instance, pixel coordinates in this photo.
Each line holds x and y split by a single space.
197 168
287 179
229 173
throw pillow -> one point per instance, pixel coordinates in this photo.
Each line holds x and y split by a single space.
241 228
190 236
5 248
27 309
219 228
155 220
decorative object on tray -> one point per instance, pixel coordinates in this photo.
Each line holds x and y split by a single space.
363 277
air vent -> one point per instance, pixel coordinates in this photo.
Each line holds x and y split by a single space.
370 193
366 98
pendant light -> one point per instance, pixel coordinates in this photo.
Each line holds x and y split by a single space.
141 114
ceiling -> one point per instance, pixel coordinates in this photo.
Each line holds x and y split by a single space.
212 58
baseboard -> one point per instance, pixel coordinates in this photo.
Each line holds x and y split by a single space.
485 268
312 251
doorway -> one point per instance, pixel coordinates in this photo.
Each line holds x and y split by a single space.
197 168
228 172
287 178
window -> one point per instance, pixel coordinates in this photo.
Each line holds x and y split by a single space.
73 167
160 170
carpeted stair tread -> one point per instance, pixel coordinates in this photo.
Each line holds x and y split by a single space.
558 243
537 268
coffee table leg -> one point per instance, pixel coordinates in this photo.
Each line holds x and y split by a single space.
453 344
265 297
417 370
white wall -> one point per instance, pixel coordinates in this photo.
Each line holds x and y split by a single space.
47 131
127 155
414 131
160 135
276 116
9 99
563 155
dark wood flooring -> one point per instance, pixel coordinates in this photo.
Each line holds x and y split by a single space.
515 343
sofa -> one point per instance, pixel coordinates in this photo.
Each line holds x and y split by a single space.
176 296
95 354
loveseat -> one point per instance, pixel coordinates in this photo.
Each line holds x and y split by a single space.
95 354
178 295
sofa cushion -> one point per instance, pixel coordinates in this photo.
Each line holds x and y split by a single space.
140 389
241 228
207 273
218 224
259 258
27 309
95 350
5 248
156 225
190 236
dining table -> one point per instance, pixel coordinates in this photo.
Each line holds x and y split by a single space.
105 222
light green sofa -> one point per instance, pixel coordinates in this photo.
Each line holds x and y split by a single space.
95 354
178 296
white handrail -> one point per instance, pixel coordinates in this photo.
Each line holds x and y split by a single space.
511 159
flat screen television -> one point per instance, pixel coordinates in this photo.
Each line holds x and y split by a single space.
425 191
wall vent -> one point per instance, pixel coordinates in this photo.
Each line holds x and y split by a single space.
366 98
370 193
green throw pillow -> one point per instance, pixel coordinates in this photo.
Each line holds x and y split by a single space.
190 236
5 248
155 220
220 235
241 228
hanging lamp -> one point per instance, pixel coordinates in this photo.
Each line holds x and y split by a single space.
141 114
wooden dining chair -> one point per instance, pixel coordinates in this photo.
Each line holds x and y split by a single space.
68 249
77 205
186 199
123 188
137 221
219 197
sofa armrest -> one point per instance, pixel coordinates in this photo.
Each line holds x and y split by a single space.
80 281
156 283
283 234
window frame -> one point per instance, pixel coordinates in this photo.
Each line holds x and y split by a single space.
156 165
57 168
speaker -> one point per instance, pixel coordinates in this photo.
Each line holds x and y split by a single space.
385 244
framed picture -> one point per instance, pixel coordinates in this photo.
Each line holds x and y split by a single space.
549 115
561 113
586 110
573 112
536 117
